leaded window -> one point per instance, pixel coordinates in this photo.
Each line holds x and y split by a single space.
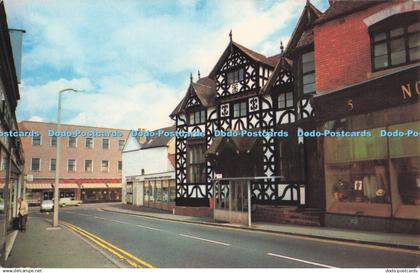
239 109
308 72
235 76
196 163
197 117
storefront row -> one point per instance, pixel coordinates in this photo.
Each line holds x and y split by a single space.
91 193
373 182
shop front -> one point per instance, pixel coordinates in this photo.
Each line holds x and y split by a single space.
100 192
38 191
372 153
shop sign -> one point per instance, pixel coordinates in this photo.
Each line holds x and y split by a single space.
409 90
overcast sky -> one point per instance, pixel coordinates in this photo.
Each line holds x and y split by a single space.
133 57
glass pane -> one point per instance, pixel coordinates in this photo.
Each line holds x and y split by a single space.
408 176
380 49
398 57
415 53
307 88
381 61
310 66
309 78
396 32
308 57
379 37
281 101
414 40
397 45
289 99
191 118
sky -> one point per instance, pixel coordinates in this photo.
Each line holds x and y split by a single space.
133 58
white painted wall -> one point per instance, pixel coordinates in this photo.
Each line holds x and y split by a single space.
152 160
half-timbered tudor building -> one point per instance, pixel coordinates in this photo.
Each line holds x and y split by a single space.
249 91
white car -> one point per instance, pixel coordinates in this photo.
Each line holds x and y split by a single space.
47 205
69 202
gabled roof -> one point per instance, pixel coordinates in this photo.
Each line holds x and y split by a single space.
342 8
241 144
158 141
255 56
309 14
204 89
283 64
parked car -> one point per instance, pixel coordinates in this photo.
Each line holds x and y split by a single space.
47 205
69 202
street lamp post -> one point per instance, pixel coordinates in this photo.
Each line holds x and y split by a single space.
57 159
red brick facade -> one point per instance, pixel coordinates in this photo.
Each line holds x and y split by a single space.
343 51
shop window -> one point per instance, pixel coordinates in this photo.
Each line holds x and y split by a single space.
71 165
89 143
53 141
197 117
196 163
239 109
119 166
52 164
72 142
36 140
104 166
405 163
88 166
35 164
285 100
235 76
396 41
105 143
308 73
121 144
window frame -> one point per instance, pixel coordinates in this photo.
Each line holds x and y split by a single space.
55 164
91 166
75 142
51 141
238 75
286 105
40 140
108 145
193 119
303 74
39 164
201 165
107 170
395 22
243 112
68 165
119 144
86 143
118 165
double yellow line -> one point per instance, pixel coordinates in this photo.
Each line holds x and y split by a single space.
118 252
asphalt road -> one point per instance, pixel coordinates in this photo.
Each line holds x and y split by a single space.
170 244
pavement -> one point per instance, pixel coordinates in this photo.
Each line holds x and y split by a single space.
398 240
42 246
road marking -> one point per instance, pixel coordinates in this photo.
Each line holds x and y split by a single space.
103 246
286 235
299 260
97 217
112 248
205 240
120 222
83 214
141 226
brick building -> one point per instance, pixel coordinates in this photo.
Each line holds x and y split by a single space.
367 58
352 68
90 167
